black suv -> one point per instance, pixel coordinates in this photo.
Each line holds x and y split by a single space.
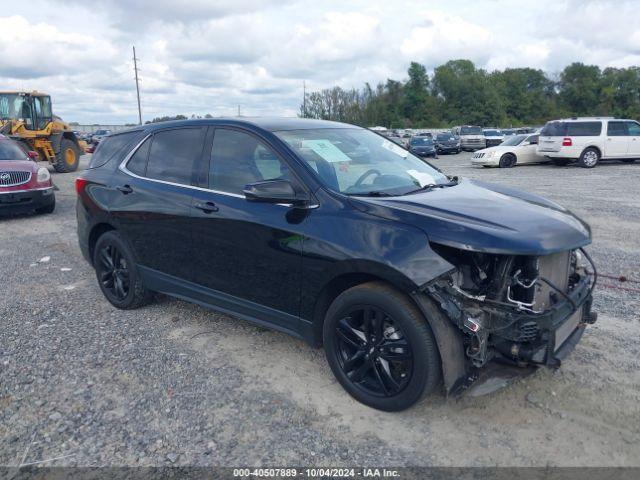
334 234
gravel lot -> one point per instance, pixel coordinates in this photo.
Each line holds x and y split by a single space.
172 383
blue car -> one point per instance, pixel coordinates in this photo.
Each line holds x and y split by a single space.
423 146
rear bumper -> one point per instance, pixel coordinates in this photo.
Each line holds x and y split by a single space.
447 148
83 224
24 201
423 153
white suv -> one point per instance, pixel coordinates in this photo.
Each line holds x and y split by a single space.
589 140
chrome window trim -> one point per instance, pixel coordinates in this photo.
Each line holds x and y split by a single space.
123 168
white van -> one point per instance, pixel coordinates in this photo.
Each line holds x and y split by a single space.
588 140
471 137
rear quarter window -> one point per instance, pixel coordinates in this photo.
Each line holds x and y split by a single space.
584 129
110 146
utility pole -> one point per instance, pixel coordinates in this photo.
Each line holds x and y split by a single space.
304 98
135 69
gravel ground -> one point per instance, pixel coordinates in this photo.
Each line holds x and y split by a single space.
173 384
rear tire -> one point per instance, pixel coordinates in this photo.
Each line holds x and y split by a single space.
117 273
508 160
380 347
68 158
589 158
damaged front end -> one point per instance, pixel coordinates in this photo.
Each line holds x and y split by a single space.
524 310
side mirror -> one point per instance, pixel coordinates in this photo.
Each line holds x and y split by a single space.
274 191
32 154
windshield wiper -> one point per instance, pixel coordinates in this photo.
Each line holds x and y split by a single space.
373 193
452 181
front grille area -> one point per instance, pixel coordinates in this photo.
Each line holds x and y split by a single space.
554 268
478 155
11 179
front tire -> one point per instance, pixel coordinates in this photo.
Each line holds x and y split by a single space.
589 158
508 160
117 273
380 347
68 158
48 208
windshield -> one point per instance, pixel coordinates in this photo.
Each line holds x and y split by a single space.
513 140
11 151
357 161
421 141
13 106
492 133
445 137
471 131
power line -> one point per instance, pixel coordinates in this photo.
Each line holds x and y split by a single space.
135 68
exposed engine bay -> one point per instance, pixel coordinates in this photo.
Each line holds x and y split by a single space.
522 309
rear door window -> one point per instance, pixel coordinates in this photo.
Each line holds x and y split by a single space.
174 153
617 129
584 129
110 146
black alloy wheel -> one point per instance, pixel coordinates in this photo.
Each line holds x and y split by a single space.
114 272
380 347
117 273
373 351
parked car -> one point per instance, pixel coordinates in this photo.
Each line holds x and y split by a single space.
471 137
24 186
492 136
516 149
588 140
447 143
98 135
423 146
407 278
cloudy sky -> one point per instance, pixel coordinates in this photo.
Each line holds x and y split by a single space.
209 56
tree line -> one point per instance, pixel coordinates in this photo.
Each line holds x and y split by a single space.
459 93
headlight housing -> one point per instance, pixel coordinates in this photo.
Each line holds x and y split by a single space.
43 175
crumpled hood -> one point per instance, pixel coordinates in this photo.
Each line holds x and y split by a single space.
485 217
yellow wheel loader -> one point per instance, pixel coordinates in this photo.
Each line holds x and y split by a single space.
27 118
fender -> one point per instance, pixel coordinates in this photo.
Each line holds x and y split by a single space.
449 341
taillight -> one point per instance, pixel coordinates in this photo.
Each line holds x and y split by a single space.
566 142
80 184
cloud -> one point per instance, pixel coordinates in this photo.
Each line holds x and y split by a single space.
205 56
40 49
442 37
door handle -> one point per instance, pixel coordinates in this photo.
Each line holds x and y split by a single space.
206 207
125 189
